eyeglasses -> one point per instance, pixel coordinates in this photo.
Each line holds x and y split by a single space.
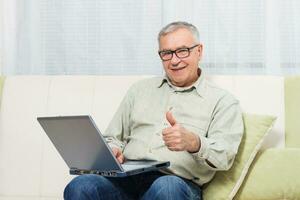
180 53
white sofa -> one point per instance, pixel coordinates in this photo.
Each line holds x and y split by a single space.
30 166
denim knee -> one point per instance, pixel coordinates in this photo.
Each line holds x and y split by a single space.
86 187
168 187
170 183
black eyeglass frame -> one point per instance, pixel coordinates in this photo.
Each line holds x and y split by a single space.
176 50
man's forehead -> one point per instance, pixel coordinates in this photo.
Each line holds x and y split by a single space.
180 35
179 38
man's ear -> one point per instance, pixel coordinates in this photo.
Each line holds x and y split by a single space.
200 50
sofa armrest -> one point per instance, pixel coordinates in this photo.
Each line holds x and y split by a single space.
1 86
273 175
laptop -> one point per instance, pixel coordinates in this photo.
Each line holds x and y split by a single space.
85 151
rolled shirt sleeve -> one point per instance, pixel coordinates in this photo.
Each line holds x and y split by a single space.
224 135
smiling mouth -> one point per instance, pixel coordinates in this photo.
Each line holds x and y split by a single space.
177 68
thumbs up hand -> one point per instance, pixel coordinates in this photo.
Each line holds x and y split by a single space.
177 138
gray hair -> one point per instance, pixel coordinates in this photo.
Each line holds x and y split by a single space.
178 25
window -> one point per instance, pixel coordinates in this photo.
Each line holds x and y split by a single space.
120 37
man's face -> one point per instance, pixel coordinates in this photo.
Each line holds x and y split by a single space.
182 72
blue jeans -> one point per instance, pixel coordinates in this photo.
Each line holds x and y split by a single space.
146 186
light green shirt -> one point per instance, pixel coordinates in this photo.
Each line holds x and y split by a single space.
208 111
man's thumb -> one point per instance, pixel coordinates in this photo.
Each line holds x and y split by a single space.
170 118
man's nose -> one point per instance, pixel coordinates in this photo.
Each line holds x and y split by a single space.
175 60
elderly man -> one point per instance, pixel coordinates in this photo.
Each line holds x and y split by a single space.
180 118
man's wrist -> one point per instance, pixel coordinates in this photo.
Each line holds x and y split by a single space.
195 143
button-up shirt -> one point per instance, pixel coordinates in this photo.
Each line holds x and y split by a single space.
204 109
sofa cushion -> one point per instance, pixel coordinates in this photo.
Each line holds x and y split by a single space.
26 97
226 183
273 175
292 110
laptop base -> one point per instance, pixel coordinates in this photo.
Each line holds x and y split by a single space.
156 166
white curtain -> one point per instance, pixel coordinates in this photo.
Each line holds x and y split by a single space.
232 32
119 37
81 37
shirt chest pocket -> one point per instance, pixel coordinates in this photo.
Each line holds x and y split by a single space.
196 126
193 116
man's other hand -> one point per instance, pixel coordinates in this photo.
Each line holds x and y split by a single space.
177 138
118 154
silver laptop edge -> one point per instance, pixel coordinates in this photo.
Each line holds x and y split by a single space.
92 154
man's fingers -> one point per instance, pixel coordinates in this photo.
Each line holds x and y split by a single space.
173 146
115 151
120 158
170 137
118 154
173 141
171 130
167 131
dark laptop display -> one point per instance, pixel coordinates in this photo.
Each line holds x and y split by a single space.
85 151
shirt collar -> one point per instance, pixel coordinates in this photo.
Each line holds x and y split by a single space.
199 85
